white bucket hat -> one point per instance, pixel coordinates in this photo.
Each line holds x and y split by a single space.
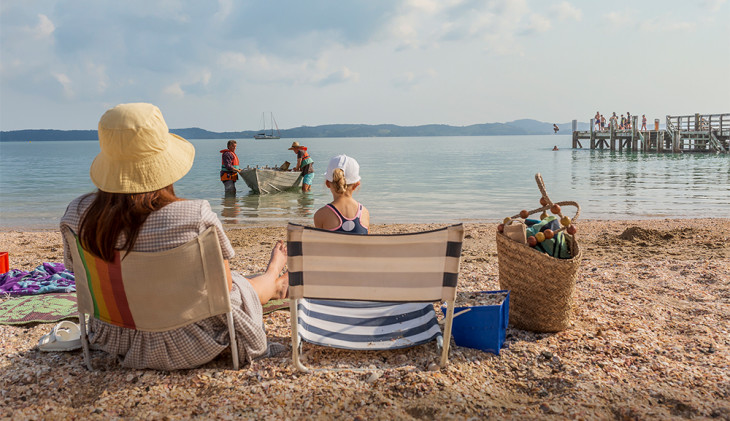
348 165
138 153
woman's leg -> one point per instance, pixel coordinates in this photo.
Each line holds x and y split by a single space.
270 285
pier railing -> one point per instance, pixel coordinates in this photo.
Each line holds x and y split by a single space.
709 131
719 123
685 133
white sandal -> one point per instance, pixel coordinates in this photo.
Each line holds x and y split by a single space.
65 336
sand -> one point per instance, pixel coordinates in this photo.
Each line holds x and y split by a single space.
649 340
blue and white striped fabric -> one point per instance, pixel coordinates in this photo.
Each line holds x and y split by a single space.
367 325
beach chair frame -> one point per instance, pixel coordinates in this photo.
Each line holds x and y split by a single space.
410 267
153 291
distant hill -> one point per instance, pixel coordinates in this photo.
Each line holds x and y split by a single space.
517 127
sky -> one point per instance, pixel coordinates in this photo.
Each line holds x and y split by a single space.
219 65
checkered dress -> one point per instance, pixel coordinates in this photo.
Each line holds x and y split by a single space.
194 344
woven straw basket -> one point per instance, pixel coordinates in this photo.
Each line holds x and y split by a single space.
541 286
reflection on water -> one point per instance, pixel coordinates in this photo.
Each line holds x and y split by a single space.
652 185
231 209
403 180
253 208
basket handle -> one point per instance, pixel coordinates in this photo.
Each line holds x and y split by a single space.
541 186
550 203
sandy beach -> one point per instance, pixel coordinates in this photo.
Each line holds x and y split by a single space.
650 339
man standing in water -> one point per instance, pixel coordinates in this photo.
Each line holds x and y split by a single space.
229 168
305 164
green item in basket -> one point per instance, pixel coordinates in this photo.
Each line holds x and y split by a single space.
556 246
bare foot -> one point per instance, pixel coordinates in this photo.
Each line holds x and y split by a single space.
277 262
282 286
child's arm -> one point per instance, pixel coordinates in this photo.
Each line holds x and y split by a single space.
319 218
365 217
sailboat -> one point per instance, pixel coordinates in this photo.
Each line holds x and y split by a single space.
263 134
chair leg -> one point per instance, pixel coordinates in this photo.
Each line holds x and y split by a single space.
295 340
234 344
85 341
447 333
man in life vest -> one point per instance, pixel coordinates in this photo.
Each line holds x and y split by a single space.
304 164
229 168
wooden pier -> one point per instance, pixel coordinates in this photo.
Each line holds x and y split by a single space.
687 133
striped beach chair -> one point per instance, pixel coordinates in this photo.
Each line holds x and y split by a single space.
153 291
367 292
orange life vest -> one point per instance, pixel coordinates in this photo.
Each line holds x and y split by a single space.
225 174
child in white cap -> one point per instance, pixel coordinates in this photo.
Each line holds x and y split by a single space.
344 213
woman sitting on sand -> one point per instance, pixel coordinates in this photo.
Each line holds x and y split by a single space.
136 209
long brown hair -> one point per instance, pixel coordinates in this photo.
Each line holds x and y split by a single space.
113 214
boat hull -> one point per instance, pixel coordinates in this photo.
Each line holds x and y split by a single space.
265 136
267 180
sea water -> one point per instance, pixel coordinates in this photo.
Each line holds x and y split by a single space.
404 180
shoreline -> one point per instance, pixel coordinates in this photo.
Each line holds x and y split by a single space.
649 339
639 219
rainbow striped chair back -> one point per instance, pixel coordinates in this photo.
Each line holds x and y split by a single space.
153 291
368 291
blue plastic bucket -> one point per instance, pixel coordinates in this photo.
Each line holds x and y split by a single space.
482 327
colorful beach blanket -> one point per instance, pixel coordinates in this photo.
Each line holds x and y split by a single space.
275 305
44 279
46 308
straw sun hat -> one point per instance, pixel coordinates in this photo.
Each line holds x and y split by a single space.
138 153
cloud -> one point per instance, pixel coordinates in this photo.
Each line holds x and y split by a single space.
712 5
44 28
493 25
663 23
225 7
566 11
299 29
340 76
666 25
65 83
405 80
97 73
409 80
536 24
174 90
198 84
621 19
232 60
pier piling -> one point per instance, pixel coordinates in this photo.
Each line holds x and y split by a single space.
688 133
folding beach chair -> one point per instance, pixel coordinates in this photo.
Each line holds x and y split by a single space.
153 291
371 291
